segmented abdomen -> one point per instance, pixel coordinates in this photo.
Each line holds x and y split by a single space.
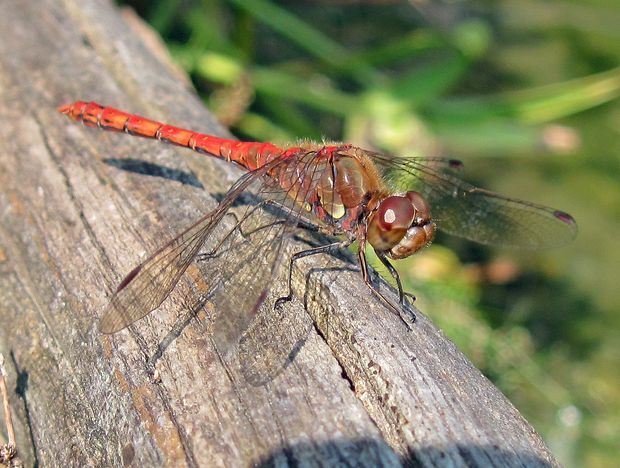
250 155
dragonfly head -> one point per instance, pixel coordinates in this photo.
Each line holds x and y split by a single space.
401 225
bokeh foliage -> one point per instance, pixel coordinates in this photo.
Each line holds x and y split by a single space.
526 93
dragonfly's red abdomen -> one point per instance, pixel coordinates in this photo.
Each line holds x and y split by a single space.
250 155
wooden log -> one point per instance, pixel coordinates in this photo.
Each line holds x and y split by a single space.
359 388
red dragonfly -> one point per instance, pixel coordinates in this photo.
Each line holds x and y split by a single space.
334 188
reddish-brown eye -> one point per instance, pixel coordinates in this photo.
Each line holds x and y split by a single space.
395 213
419 203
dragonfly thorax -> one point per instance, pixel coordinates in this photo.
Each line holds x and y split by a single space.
401 225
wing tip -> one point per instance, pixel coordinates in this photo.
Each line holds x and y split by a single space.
565 218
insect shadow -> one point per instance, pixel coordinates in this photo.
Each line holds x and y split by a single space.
267 347
146 168
271 341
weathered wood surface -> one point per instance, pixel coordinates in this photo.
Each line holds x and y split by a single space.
361 390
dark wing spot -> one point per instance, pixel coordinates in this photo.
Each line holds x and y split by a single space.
564 217
129 278
456 164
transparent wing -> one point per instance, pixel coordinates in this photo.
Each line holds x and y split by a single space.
147 285
247 262
464 210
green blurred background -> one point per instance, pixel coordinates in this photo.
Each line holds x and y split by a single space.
526 93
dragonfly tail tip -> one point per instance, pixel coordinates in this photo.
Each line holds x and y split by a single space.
64 109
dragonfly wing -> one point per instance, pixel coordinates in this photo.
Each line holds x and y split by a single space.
246 271
464 210
147 285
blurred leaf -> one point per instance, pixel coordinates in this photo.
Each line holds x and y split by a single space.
207 22
563 99
498 137
429 81
406 47
218 68
298 123
316 93
256 126
307 37
536 105
473 38
163 14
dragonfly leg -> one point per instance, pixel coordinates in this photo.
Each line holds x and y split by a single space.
401 293
306 253
213 252
238 227
300 223
406 316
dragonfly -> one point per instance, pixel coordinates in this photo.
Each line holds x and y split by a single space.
391 204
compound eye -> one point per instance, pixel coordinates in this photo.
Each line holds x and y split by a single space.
395 213
419 203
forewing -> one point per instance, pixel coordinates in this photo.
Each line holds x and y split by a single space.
464 210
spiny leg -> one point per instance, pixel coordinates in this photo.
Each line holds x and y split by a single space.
213 252
307 253
288 212
407 319
401 293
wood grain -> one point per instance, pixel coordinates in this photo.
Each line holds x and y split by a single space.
361 389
